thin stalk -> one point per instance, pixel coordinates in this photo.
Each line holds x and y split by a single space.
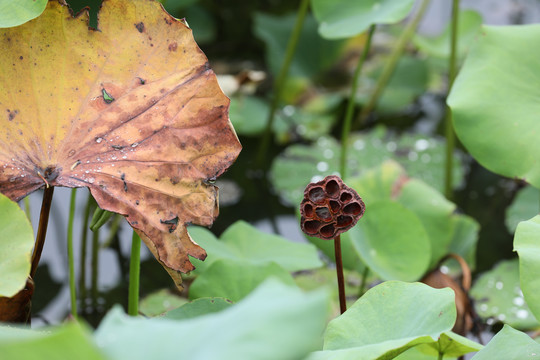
42 228
339 272
115 226
363 281
280 80
95 264
27 208
390 65
84 238
134 272
350 105
449 129
441 356
71 260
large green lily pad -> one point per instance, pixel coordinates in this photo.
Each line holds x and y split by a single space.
528 248
509 344
497 297
14 13
494 101
343 18
245 243
391 318
16 243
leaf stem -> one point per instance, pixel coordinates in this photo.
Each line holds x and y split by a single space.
350 105
449 129
280 80
363 281
71 260
84 238
42 228
390 65
134 275
27 208
339 272
95 264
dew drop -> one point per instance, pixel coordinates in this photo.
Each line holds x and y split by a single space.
359 144
99 140
134 144
499 285
328 153
519 301
91 180
322 166
522 314
421 145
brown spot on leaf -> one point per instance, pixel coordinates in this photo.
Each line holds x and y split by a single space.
173 223
140 26
173 46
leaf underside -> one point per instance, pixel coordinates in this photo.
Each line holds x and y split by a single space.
130 110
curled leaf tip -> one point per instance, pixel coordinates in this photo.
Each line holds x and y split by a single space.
330 208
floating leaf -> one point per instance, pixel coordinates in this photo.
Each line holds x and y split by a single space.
525 205
70 341
509 344
528 248
342 18
234 279
160 302
494 111
274 322
16 243
497 296
198 307
14 13
435 213
391 240
422 157
247 244
391 318
131 111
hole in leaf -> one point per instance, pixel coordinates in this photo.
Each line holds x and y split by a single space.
323 213
311 227
316 195
332 188
327 231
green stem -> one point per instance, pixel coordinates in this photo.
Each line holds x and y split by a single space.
340 277
449 129
134 272
42 228
27 208
84 241
390 65
95 264
363 281
350 105
441 356
71 261
280 80
115 226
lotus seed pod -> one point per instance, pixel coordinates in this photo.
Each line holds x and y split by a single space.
330 208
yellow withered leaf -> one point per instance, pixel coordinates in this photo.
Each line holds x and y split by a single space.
130 110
